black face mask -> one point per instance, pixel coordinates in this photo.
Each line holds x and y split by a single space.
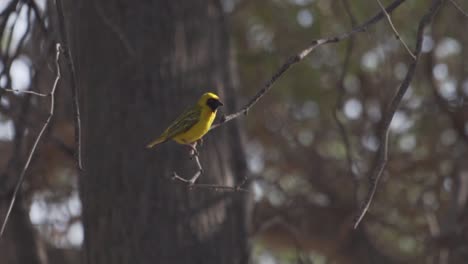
213 103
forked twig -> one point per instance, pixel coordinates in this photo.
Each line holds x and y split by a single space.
191 182
382 155
38 138
397 35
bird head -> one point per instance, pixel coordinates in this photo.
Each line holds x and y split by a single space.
211 100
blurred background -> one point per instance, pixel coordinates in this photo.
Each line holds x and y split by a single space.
309 143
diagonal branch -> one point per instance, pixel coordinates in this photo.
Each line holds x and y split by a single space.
38 138
73 83
304 53
25 92
457 6
397 35
382 154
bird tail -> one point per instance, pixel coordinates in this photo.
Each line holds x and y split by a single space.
157 141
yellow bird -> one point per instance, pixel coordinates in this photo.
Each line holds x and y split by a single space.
192 124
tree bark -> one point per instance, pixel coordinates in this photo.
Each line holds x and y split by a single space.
140 64
19 244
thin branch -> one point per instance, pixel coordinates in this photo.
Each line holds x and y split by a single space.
382 154
194 178
457 6
191 182
301 55
397 35
73 83
25 92
38 138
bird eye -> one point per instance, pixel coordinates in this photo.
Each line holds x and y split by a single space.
213 103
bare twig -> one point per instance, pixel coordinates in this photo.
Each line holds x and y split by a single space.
397 35
38 138
194 178
191 182
301 55
73 83
457 6
26 92
381 159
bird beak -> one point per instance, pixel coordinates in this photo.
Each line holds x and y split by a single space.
220 103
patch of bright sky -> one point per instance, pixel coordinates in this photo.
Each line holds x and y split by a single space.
448 89
20 73
448 184
447 47
301 2
412 101
58 215
20 22
370 61
305 18
7 130
408 94
75 234
400 70
255 154
41 4
427 44
5 102
407 143
372 58
352 108
370 142
41 212
266 258
257 191
440 71
400 122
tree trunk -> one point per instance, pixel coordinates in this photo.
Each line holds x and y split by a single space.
139 65
18 244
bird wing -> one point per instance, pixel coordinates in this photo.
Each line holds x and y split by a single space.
184 122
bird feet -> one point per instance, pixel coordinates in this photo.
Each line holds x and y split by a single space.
190 181
193 150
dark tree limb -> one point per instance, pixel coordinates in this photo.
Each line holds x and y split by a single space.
73 84
382 154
